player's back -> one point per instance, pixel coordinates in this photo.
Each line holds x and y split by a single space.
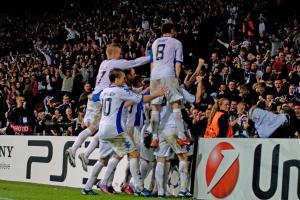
113 118
102 80
166 52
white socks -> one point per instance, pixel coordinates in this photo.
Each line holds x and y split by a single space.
93 176
135 172
127 175
154 124
80 139
110 169
159 176
92 146
179 122
145 168
183 171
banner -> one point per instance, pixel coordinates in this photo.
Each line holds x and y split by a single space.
41 159
248 169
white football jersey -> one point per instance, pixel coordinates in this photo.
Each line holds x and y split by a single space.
113 118
166 52
102 80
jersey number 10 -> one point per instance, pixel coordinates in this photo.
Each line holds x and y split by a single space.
106 106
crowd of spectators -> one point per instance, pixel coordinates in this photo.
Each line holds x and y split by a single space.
247 54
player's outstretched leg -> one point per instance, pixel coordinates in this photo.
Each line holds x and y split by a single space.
84 157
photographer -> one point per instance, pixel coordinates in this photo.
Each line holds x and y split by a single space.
21 118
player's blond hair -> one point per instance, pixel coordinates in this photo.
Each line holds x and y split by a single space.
111 49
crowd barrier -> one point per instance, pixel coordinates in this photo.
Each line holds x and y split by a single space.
41 159
248 169
225 168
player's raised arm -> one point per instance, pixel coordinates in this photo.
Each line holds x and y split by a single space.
126 64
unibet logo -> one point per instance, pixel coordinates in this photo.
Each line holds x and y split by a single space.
222 170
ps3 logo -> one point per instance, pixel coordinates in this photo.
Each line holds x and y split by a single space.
49 157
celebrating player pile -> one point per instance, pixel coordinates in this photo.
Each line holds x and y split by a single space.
122 120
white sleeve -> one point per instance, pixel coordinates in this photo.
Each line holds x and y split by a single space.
126 64
188 96
127 95
178 52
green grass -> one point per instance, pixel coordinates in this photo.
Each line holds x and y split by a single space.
29 191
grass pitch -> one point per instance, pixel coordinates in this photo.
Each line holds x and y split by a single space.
29 191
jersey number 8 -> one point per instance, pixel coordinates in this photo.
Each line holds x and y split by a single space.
160 51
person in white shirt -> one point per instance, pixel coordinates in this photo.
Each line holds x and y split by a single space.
167 51
92 116
113 134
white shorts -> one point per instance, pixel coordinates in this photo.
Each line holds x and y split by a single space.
173 94
105 149
147 154
93 114
168 143
121 145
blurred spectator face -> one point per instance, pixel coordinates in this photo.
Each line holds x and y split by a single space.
268 69
27 81
233 106
41 115
281 56
87 87
258 57
208 110
278 84
130 76
227 59
18 85
250 56
298 69
242 53
80 115
56 74
222 88
66 99
240 108
291 90
46 71
269 98
69 112
260 89
244 91
68 73
297 110
195 113
225 105
226 70
231 85
253 67
57 114
247 65
214 57
20 101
